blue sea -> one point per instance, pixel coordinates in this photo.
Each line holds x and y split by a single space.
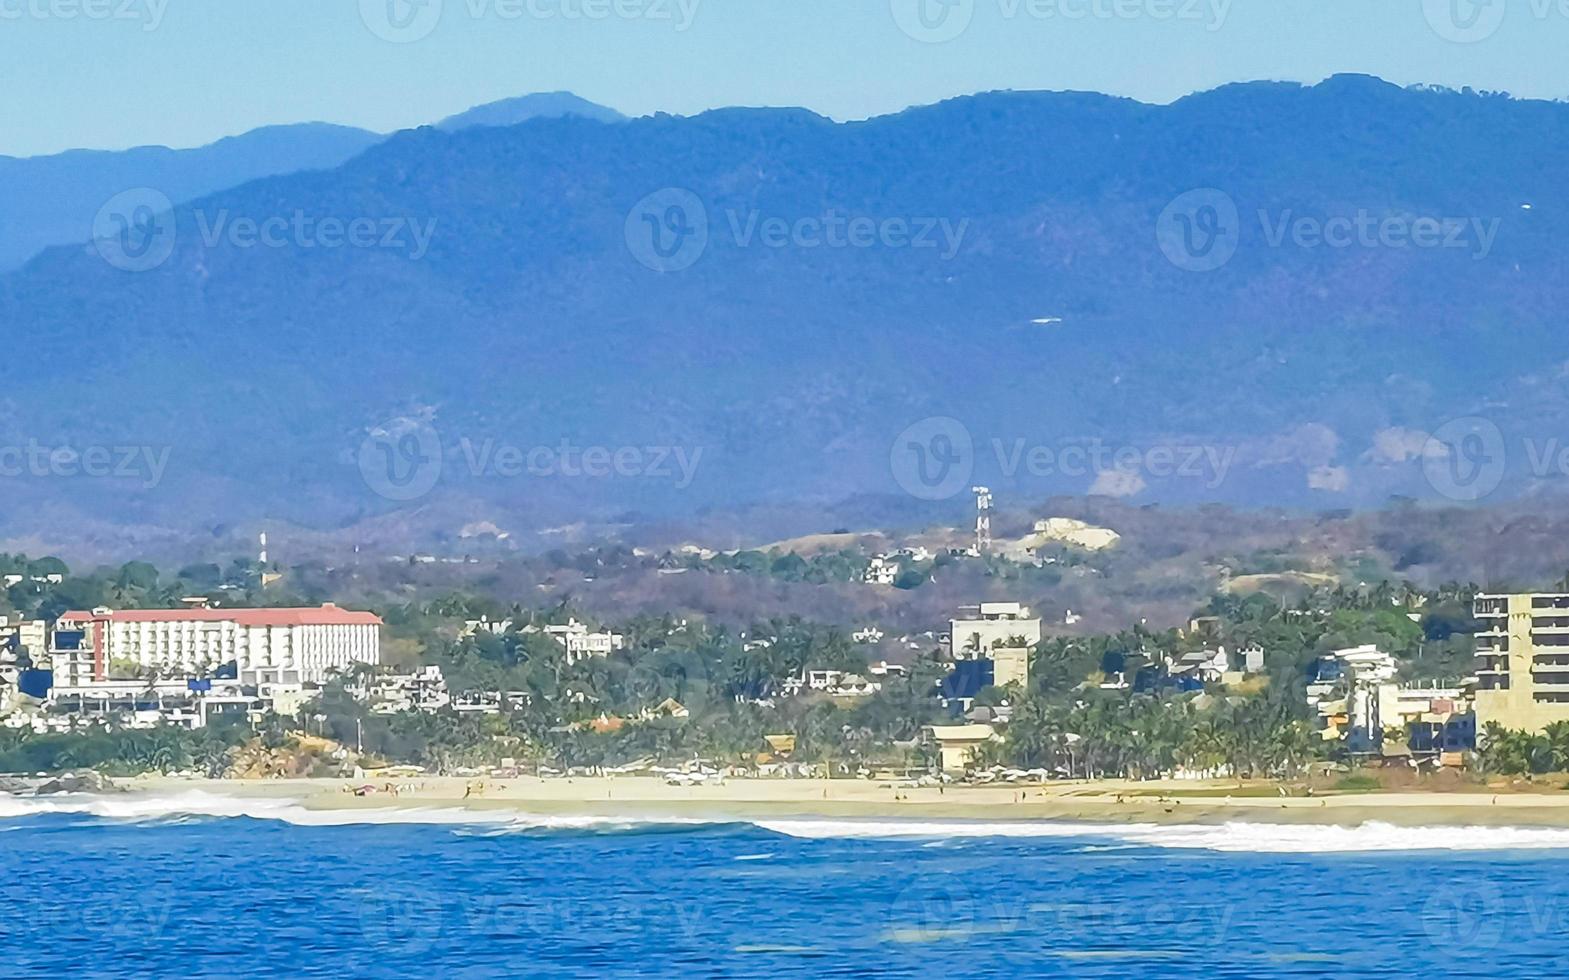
204 886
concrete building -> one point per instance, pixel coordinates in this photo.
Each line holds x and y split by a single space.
834 683
1011 665
1007 624
880 571
19 636
389 693
580 642
1357 697
183 703
957 744
277 645
1205 666
1522 660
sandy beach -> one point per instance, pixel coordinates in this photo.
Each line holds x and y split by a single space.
1184 802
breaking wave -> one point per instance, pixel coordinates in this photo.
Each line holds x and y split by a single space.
1238 836
1235 836
147 808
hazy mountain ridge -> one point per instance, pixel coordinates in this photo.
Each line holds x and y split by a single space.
530 319
52 200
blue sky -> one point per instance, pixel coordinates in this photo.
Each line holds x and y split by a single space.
115 73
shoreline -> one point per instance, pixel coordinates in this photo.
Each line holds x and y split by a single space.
1106 802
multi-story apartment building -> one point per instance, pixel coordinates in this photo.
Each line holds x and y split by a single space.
1522 660
21 636
1007 624
279 646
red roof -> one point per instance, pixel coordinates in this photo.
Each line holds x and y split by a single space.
325 615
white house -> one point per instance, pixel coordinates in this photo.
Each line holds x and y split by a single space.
580 642
881 571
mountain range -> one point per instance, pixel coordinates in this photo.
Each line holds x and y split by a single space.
52 200
1264 294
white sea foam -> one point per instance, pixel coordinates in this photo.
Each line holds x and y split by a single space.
1238 836
140 807
1235 836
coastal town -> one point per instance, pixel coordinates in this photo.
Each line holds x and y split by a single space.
994 693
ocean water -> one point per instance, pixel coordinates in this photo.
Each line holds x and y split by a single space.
201 885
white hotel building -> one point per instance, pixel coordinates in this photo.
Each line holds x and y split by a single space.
280 646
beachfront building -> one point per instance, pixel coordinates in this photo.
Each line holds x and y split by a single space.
275 645
957 745
1358 698
1522 660
994 624
182 703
